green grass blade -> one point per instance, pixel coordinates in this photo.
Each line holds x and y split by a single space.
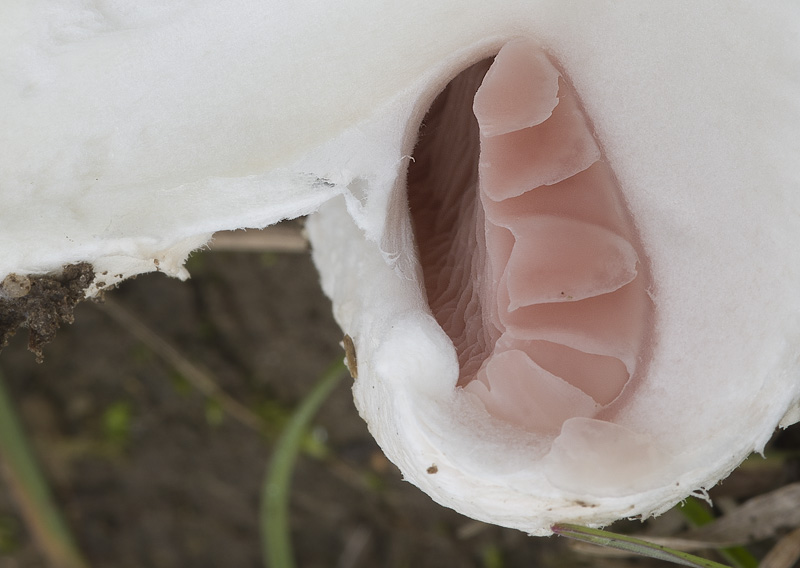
30 489
631 544
275 533
698 515
695 512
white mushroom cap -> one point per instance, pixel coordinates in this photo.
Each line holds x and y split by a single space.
131 133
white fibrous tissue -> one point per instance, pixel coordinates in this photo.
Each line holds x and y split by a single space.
562 237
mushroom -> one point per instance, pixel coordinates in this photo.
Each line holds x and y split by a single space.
562 236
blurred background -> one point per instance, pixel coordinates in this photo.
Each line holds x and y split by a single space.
153 467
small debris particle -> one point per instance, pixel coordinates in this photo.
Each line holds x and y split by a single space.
350 356
42 304
433 469
15 286
322 182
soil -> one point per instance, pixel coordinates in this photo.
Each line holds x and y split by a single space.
41 304
151 473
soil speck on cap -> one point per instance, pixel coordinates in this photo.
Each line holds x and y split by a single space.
350 356
41 303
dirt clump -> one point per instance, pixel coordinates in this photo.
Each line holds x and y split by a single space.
41 303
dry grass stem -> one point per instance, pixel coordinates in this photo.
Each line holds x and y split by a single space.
785 553
286 237
193 373
760 518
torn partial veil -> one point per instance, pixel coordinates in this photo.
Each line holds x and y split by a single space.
130 135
